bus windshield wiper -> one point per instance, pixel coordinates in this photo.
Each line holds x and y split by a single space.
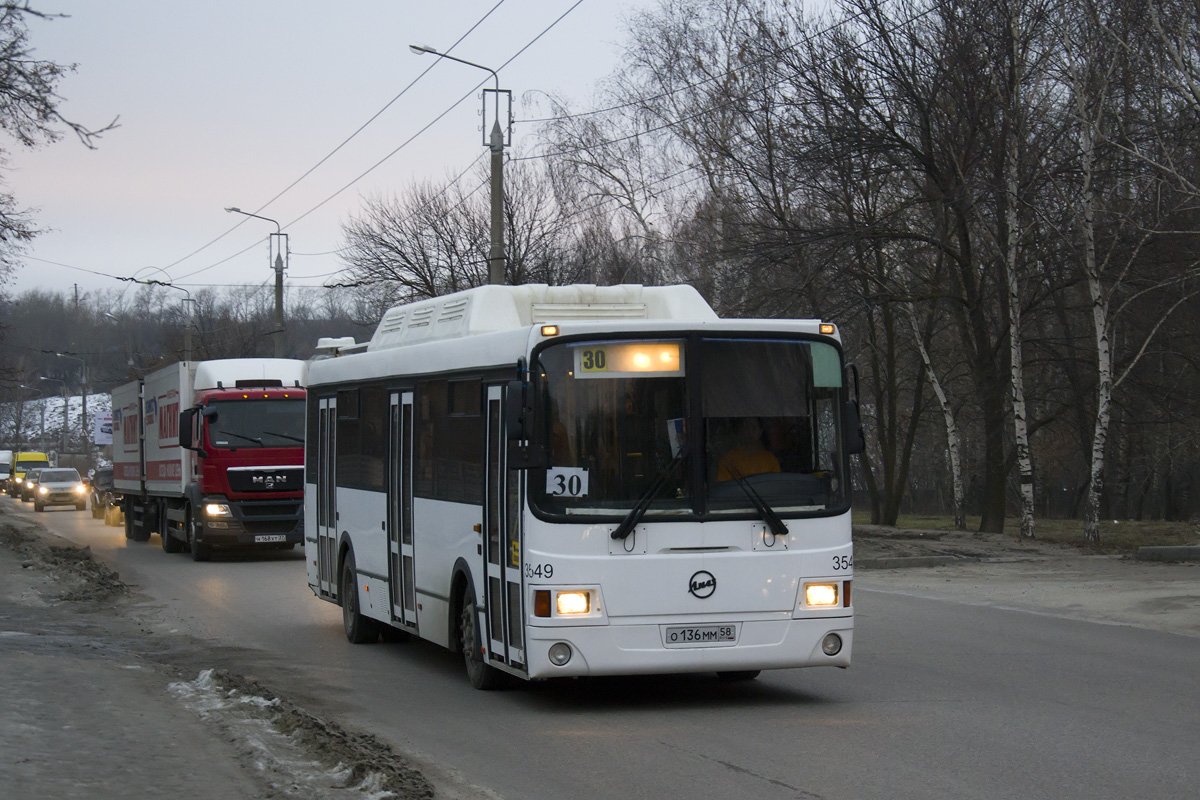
240 436
285 436
643 504
769 515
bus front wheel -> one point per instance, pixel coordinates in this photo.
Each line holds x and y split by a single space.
481 675
359 629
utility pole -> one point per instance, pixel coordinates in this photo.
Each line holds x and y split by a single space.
496 141
279 265
279 303
496 259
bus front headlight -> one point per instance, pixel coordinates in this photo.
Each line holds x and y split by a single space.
820 594
571 603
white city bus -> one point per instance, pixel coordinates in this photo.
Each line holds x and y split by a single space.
582 480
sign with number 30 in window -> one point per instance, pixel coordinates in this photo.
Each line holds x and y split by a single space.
567 482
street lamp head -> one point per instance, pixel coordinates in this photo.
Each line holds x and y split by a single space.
232 210
422 49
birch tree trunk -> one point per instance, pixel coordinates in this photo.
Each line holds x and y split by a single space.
953 440
1100 321
1012 238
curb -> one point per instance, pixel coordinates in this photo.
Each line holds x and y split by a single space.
902 562
1186 552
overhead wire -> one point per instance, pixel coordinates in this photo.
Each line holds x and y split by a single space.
438 118
335 150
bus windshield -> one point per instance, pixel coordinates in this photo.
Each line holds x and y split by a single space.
256 423
699 428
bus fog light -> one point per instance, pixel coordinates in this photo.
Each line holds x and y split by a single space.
821 594
831 645
572 603
560 653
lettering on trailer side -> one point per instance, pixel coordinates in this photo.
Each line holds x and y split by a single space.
124 419
168 424
163 470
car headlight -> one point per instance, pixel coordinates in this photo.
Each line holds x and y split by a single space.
80 489
43 490
28 484
217 510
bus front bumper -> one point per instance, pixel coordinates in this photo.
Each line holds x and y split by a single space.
641 649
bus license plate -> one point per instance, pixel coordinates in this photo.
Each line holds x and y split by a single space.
700 635
271 537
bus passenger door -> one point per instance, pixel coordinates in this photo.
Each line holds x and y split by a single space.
327 496
400 505
502 544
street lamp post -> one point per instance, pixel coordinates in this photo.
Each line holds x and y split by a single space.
495 141
83 400
63 448
281 250
187 313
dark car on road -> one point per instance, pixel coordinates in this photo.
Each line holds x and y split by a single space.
102 497
29 484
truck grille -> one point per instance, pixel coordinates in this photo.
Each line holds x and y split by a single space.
266 479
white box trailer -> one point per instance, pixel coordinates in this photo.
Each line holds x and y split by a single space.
240 460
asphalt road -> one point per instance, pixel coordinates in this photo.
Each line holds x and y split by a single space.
944 699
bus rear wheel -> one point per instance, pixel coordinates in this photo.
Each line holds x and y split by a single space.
359 629
481 675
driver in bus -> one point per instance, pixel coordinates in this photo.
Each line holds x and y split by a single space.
747 456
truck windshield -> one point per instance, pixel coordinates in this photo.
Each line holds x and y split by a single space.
256 423
755 422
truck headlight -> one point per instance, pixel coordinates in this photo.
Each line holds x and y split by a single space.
217 510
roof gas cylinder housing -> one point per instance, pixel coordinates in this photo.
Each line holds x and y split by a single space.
492 309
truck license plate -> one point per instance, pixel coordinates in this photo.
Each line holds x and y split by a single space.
700 635
271 537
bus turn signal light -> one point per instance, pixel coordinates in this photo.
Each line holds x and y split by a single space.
541 603
827 328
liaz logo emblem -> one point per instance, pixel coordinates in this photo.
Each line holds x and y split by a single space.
702 584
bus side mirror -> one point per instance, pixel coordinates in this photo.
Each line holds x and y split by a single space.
524 451
854 441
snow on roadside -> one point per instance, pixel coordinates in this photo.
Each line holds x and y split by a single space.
285 760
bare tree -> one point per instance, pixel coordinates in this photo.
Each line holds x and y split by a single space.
29 115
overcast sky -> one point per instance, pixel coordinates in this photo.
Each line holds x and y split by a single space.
227 102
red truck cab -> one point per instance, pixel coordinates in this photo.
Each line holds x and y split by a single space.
247 466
